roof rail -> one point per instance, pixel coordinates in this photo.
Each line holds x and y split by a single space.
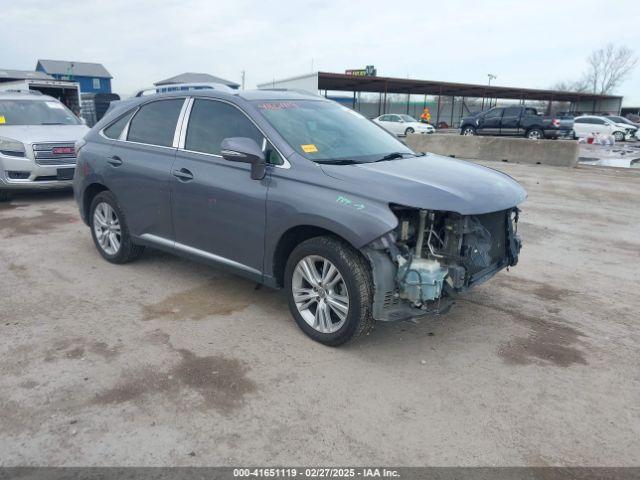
294 90
184 87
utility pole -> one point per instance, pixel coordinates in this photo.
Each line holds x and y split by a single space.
491 77
242 79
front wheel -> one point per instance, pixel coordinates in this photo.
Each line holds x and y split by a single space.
109 230
535 134
409 131
468 131
619 136
329 290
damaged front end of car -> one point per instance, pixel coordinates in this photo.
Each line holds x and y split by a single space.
420 266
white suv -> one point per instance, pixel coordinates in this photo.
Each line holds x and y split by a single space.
590 124
37 142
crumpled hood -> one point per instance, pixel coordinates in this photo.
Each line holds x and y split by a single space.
43 133
432 182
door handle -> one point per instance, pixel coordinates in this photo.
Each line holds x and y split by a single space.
183 174
116 161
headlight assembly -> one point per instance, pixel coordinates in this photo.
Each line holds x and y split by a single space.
11 148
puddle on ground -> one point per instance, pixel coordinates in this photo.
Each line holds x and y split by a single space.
542 290
549 341
48 219
221 382
218 296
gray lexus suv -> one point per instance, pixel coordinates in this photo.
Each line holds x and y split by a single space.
297 192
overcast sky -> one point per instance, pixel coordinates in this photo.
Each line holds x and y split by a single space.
141 41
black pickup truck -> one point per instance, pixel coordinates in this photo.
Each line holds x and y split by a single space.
514 121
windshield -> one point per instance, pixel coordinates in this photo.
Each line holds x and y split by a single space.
329 133
408 118
35 112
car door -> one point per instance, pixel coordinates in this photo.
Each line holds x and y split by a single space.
384 122
218 210
510 122
582 127
489 123
139 167
395 125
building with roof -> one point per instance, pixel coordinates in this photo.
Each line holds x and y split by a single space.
13 75
448 101
191 77
92 77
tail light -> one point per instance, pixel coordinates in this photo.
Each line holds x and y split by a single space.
555 122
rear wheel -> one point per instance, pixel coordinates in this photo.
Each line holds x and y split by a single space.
468 131
619 136
329 290
109 230
535 134
409 131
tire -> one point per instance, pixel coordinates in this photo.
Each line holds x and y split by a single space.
468 131
355 277
618 136
409 131
127 251
535 134
4 196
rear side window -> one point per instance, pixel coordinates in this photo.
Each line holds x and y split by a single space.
211 122
496 112
512 112
155 123
115 129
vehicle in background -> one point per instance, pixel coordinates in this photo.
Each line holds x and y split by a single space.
400 124
64 91
37 137
95 105
587 125
513 121
292 190
624 121
566 125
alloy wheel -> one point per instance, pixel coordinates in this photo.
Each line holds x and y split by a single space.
106 226
320 294
468 131
534 135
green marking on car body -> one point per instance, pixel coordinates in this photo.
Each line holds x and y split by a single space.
348 202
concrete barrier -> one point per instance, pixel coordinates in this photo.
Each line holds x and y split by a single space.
561 153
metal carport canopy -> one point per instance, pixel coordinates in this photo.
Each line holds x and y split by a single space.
350 83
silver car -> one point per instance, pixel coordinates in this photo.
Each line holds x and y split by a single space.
37 142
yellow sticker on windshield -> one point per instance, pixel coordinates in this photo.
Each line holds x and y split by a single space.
2 120
309 148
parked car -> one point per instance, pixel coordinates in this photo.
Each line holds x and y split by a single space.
37 136
587 125
296 191
403 124
513 121
631 128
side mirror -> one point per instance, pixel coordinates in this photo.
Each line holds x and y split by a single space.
245 150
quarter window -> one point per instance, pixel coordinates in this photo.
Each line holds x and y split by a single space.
155 123
211 122
115 129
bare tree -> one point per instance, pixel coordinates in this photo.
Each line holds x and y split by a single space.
572 86
608 68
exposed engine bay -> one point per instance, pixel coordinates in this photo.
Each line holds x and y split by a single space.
432 255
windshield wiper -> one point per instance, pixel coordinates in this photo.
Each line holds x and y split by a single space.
393 156
338 161
52 123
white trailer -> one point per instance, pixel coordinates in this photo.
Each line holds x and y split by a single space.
65 91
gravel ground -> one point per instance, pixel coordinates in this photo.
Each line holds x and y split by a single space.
167 362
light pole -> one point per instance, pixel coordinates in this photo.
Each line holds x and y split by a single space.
491 77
